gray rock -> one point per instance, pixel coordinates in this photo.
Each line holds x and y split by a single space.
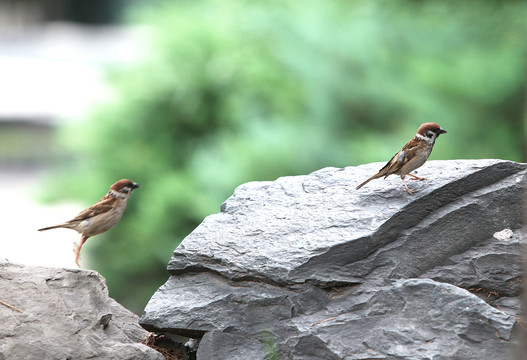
492 266
410 319
222 345
66 314
328 272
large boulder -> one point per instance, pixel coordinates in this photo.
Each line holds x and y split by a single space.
307 267
51 313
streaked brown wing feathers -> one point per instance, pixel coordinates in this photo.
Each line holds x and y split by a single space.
104 205
400 158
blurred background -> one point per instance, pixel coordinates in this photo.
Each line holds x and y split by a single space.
193 98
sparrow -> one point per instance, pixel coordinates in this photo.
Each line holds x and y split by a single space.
101 216
413 155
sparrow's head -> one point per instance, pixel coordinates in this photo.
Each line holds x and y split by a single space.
430 131
123 188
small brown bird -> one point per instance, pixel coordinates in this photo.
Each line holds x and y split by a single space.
102 216
413 155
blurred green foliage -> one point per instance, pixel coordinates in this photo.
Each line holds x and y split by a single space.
240 90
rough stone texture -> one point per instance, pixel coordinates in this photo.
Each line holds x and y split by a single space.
307 267
66 314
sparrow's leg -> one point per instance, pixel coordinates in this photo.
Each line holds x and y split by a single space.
417 177
78 250
406 188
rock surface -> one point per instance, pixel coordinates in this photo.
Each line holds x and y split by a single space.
65 314
307 267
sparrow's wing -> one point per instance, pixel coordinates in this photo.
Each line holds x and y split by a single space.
102 206
402 157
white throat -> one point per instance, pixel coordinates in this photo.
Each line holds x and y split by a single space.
427 139
117 194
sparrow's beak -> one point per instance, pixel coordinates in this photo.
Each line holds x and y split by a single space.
442 131
136 185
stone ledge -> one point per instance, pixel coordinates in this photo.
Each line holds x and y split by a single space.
307 267
65 314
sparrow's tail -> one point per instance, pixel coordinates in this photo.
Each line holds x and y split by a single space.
376 176
51 227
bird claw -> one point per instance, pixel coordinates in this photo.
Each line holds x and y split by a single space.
416 177
76 252
409 191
